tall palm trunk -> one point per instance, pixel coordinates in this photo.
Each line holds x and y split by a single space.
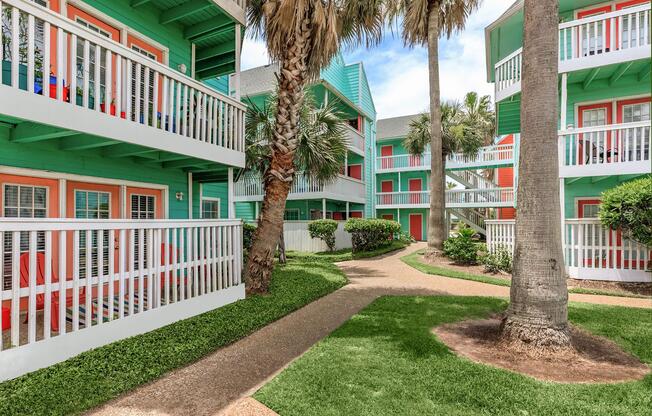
436 229
537 314
279 176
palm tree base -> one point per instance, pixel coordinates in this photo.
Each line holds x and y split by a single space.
433 253
535 338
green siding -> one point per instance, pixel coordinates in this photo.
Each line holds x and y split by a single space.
589 187
47 156
245 210
216 190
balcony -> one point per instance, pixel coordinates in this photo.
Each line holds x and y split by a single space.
175 115
344 188
70 285
356 140
609 38
487 157
590 251
616 149
455 198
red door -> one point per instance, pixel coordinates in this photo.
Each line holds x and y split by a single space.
592 43
414 185
355 171
593 147
416 225
386 162
386 186
387 216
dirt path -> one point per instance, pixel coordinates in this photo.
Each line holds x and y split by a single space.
214 383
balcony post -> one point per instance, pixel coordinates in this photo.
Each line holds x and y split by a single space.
238 51
564 99
231 194
189 195
347 210
323 208
562 193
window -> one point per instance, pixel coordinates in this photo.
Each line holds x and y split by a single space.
291 215
22 201
141 101
637 137
210 208
93 205
143 207
92 63
590 210
316 214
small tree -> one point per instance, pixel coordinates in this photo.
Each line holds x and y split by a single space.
371 233
324 230
628 207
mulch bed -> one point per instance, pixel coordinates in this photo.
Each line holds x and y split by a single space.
595 359
644 289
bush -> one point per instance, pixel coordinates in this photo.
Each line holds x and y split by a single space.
462 248
372 233
629 207
248 231
324 230
498 261
405 238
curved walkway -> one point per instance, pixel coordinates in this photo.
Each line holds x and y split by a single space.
212 385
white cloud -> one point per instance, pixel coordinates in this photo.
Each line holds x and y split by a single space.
254 53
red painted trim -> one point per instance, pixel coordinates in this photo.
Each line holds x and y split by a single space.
593 12
607 105
416 229
387 186
74 12
355 214
113 190
630 3
387 216
133 40
355 171
51 184
582 202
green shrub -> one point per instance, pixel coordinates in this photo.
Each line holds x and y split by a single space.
371 233
462 248
405 237
324 230
248 231
629 207
498 261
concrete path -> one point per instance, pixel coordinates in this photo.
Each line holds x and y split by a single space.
214 384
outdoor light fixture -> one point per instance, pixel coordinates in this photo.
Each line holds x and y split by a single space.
179 196
182 68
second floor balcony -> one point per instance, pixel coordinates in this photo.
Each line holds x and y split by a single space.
250 187
610 38
62 81
356 140
486 157
616 149
455 198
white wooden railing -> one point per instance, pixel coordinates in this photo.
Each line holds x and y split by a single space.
615 148
56 292
590 250
173 103
356 139
403 162
250 187
494 155
480 198
471 179
455 198
604 39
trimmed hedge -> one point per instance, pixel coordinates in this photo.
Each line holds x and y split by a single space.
324 230
371 233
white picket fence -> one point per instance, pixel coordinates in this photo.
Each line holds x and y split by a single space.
71 285
590 250
297 237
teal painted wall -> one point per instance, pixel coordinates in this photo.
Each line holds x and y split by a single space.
588 188
213 190
47 156
404 218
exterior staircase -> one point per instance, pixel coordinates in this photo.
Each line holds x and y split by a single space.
474 217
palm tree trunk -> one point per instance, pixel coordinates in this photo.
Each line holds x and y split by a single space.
279 176
436 232
537 317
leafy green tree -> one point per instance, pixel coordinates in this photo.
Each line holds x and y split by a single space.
628 207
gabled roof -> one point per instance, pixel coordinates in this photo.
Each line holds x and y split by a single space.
395 127
511 10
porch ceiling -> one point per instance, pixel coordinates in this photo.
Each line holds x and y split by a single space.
612 73
25 133
207 25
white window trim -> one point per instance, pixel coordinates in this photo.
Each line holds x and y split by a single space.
614 105
211 199
583 198
74 200
2 199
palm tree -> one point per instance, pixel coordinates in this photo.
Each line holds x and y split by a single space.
302 36
537 317
322 142
478 112
424 21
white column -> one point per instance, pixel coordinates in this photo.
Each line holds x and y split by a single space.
231 194
193 50
62 198
564 101
398 215
123 201
323 208
201 195
325 97
346 164
562 194
347 210
190 195
238 51
399 182
256 210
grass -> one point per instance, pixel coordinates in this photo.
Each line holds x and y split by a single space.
413 260
386 361
347 254
99 375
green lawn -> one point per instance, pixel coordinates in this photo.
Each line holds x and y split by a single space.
386 361
414 260
102 374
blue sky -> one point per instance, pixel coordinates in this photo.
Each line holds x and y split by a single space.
398 76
